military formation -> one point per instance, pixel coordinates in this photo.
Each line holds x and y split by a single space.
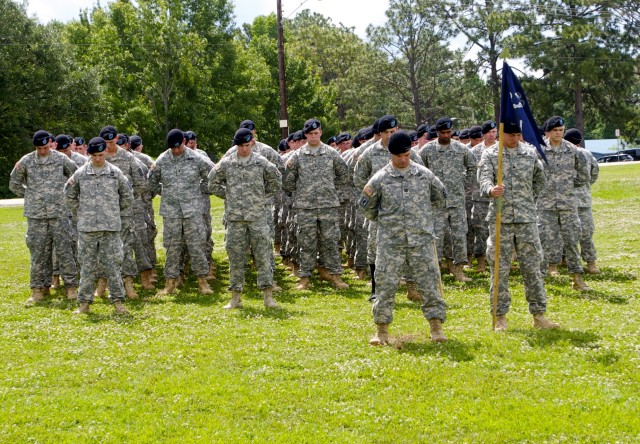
399 207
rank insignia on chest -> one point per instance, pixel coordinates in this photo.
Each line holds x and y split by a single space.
364 201
368 191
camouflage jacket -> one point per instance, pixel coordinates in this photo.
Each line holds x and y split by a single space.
372 160
78 159
583 193
476 195
265 151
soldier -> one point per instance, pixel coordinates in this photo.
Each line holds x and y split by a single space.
558 221
454 165
315 173
523 180
80 146
400 198
246 180
583 196
39 178
97 194
480 141
177 175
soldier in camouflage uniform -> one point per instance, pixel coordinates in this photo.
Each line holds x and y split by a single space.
558 221
97 194
177 175
454 165
583 197
315 173
39 178
246 180
400 198
522 182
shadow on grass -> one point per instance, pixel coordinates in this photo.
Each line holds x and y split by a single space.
556 287
453 349
611 274
280 313
548 338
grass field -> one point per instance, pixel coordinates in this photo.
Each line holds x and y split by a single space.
181 369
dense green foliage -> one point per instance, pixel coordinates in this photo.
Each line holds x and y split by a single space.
152 65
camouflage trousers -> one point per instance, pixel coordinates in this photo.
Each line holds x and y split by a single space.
191 231
479 227
208 232
318 233
74 245
100 252
344 216
282 229
128 237
560 228
587 229
372 242
524 239
152 232
451 221
360 229
394 258
292 249
239 237
143 262
42 236
271 232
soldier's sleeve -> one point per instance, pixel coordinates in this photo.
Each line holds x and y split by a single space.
138 177
341 171
272 180
539 178
438 192
18 179
217 180
486 174
362 173
595 168
422 154
370 200
68 166
125 190
416 158
582 169
275 158
291 174
154 178
71 194
471 164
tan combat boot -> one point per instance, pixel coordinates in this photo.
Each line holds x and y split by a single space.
276 288
101 288
412 292
129 291
450 267
578 283
180 281
145 280
211 276
56 282
36 296
337 282
539 321
324 274
592 268
154 276
119 308
276 248
235 301
501 323
295 268
269 302
553 270
350 263
482 264
46 291
458 274
435 328
72 293
203 286
303 283
169 288
382 335
82 309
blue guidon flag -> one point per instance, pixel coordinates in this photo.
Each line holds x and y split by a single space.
514 107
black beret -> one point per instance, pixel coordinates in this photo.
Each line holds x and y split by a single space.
413 135
355 143
343 137
191 135
400 142
291 136
96 145
135 142
331 140
63 141
574 136
40 138
366 133
283 146
243 135
553 122
464 133
511 128
79 141
475 132
374 127
488 126
298 135
422 129
310 125
444 123
455 133
248 124
108 132
122 139
387 122
432 134
175 138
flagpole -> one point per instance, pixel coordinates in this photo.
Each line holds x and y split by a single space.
496 263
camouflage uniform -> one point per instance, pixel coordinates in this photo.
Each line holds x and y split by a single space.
583 196
558 221
178 179
79 159
40 183
479 227
245 185
151 231
315 176
402 205
454 165
523 179
97 200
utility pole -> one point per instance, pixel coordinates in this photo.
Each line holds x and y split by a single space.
284 116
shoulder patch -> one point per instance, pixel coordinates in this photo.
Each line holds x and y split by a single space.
364 201
368 191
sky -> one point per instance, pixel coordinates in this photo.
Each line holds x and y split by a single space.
349 13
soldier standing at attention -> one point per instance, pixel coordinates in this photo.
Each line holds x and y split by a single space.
400 198
245 180
478 222
39 178
314 173
522 181
97 194
176 175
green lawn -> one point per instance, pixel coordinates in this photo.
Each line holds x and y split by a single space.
181 369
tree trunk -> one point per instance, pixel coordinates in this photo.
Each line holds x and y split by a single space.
579 112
